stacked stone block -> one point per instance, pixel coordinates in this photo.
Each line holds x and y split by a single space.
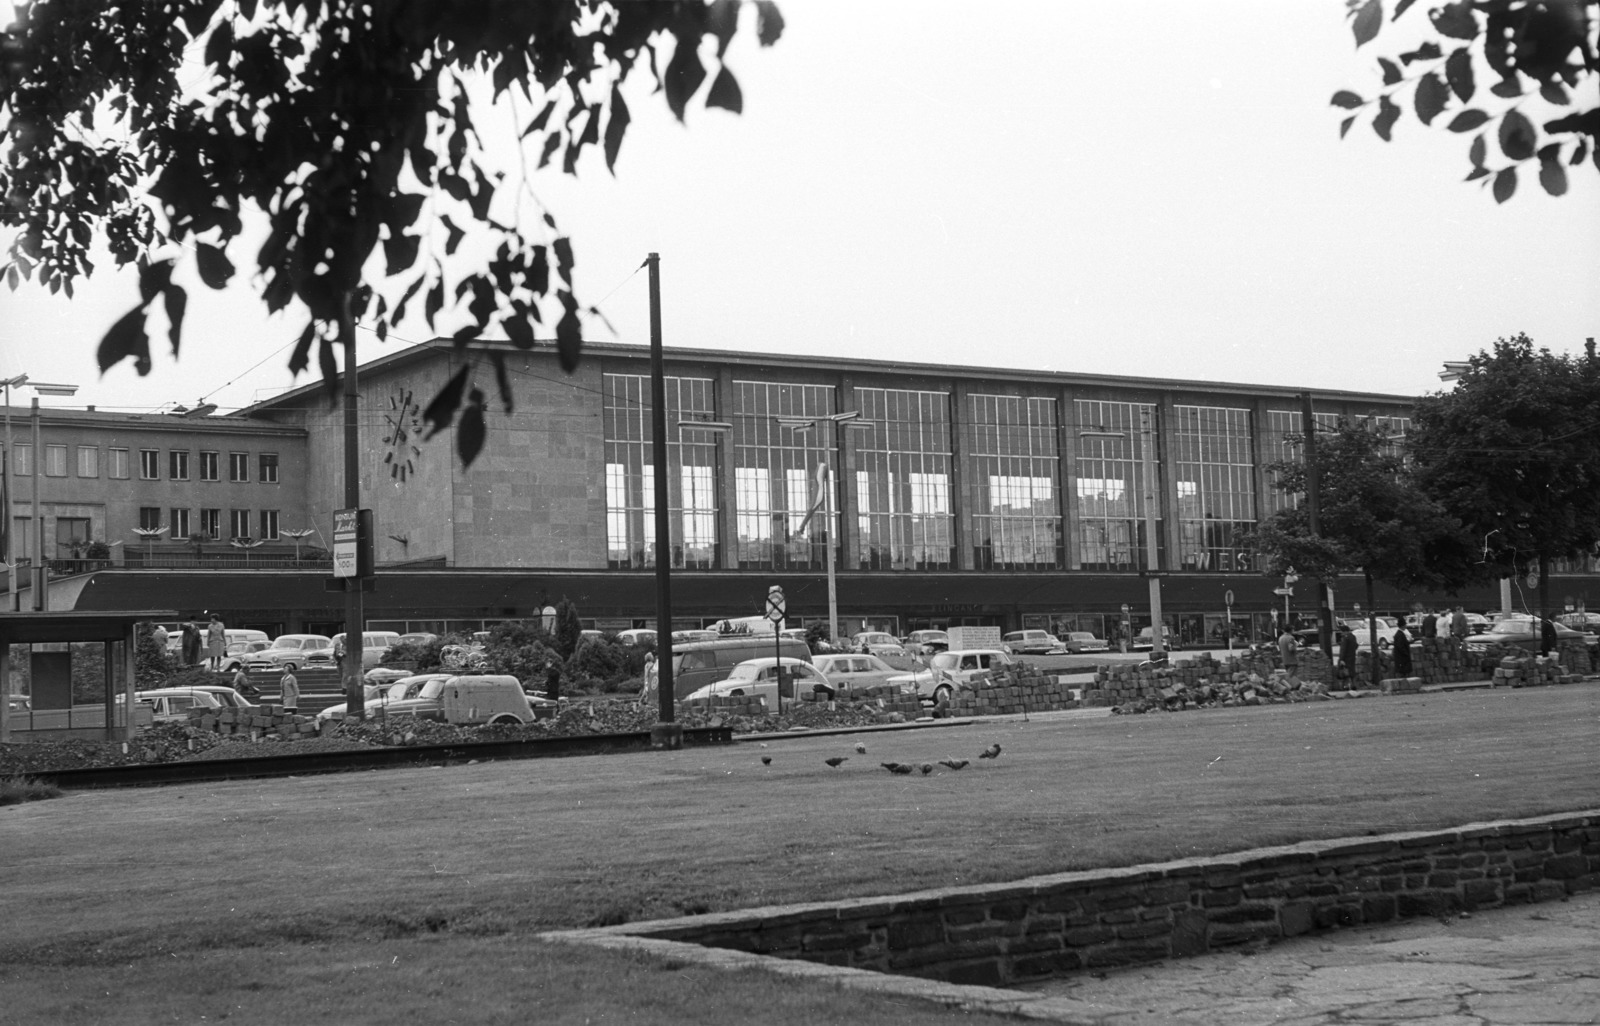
1023 689
260 721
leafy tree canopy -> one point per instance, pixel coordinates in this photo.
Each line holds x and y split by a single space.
1514 450
159 125
1542 47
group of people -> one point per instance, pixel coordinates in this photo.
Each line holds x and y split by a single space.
214 638
1400 650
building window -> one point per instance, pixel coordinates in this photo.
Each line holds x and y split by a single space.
269 525
903 488
1215 473
117 463
180 523
22 540
149 464
269 468
239 523
238 466
178 465
88 461
211 523
55 461
1016 510
24 461
210 466
1109 470
775 474
72 535
630 474
1284 442
149 518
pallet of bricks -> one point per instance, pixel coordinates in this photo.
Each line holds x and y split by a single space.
259 721
1026 688
1444 661
1530 671
725 705
881 697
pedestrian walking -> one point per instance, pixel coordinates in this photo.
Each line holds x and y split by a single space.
1458 625
241 684
191 644
216 644
289 692
1402 652
1430 626
1548 640
1289 649
159 636
1347 655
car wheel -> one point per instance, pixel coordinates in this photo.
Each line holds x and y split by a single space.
737 691
941 694
291 667
504 719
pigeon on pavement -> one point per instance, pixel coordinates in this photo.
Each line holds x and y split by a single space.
927 768
954 764
861 749
836 760
902 768
766 760
992 752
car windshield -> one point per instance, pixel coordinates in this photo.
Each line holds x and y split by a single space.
943 661
432 689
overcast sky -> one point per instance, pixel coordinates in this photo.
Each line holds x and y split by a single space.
1149 189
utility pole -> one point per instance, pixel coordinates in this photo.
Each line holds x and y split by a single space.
1152 551
1308 420
666 733
354 614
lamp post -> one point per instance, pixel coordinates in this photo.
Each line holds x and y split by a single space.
825 485
6 528
41 601
149 534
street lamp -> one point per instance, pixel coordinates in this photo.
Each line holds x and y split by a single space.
304 532
1454 370
149 534
802 425
37 575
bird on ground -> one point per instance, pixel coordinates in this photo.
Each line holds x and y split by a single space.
836 760
954 764
890 766
861 749
902 768
766 760
927 768
992 752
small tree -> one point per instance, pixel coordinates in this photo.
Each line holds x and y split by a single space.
568 628
1372 518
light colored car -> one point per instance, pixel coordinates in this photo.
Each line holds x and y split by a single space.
1084 641
1032 642
637 636
951 669
238 654
288 652
373 646
1146 639
1587 623
381 675
1521 630
418 638
877 643
172 705
1364 639
377 698
692 636
759 677
850 670
463 698
228 697
927 641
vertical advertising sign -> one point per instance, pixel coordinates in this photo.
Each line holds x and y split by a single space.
346 542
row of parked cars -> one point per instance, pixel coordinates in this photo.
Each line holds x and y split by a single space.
449 697
253 651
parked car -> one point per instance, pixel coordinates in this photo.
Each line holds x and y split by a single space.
1032 642
927 642
373 645
1084 641
951 669
1146 639
238 653
696 664
418 638
1587 623
692 637
226 696
850 670
172 705
377 698
1521 630
463 698
760 677
288 652
637 636
381 675
877 643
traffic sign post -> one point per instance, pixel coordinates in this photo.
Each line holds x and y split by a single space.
776 610
1227 619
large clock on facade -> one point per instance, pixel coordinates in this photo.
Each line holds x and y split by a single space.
402 426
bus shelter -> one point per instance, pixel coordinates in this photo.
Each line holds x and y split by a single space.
50 668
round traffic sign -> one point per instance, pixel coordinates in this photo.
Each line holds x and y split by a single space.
1227 597
775 603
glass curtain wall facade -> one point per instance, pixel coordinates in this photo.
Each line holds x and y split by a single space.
1015 486
903 511
1215 481
1110 485
774 474
1285 437
630 474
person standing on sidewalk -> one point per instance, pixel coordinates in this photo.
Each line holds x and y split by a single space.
1458 625
1347 656
1289 649
289 692
1402 651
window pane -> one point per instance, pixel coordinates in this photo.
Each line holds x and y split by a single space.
269 525
55 461
238 466
178 465
180 523
269 468
1016 507
1215 484
211 523
903 486
23 467
88 461
149 464
1109 472
209 466
630 475
775 472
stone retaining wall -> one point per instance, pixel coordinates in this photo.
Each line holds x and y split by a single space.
1046 926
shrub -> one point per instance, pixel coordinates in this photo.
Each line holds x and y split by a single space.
568 628
16 790
150 663
601 664
421 656
522 650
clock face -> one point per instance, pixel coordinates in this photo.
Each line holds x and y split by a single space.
402 424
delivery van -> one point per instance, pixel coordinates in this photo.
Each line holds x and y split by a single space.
704 662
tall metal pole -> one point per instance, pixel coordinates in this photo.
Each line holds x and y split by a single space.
1152 552
8 529
666 733
1308 420
827 540
41 601
354 614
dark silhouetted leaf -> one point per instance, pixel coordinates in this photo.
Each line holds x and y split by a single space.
1517 135
1458 69
400 252
769 22
502 380
1391 71
1428 51
684 74
1388 114
126 339
1508 88
1505 184
594 311
442 411
563 250
1344 126
1431 96
539 121
1476 173
1556 93
569 333
154 279
1477 151
552 142
725 92
1366 20
1467 120
455 235
215 267
434 302
412 290
1346 99
176 302
518 331
722 21
472 432
1579 152
1551 174
1400 8
220 45
300 359
329 365
616 126
1455 20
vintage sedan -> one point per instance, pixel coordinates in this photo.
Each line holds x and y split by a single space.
1521 630
760 677
1084 641
1032 642
877 643
951 669
850 670
287 652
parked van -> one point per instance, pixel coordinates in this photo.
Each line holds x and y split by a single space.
699 663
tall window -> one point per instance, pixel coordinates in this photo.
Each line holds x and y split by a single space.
1110 485
180 523
238 523
23 465
630 473
903 488
178 465
117 463
775 473
88 461
211 523
268 465
1284 442
1016 519
72 534
149 464
238 466
269 525
1215 472
149 518
210 466
55 461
